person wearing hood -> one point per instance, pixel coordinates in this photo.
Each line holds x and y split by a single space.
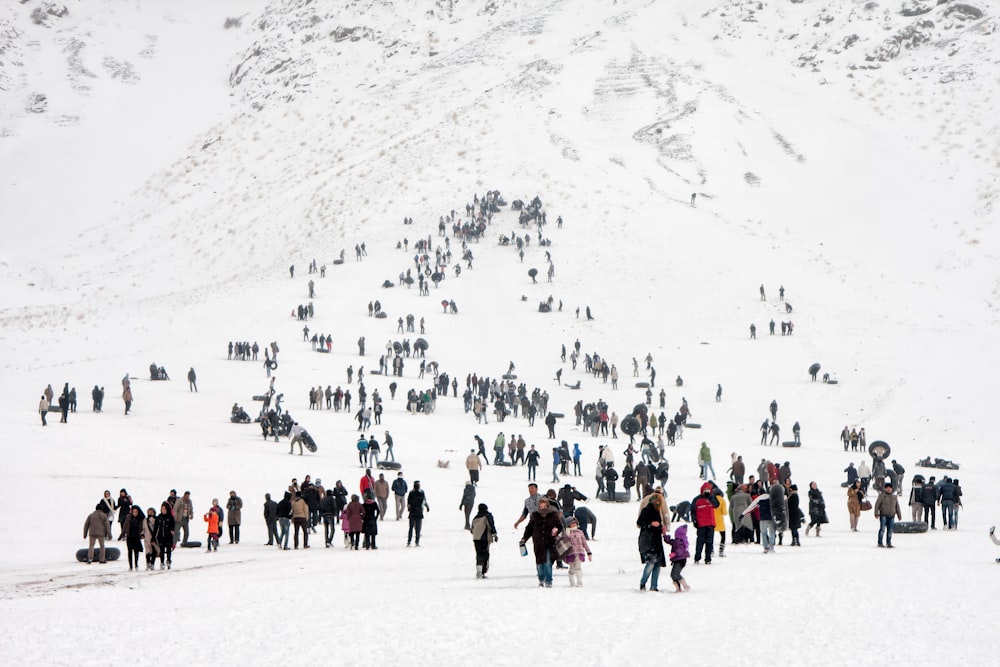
213 519
484 533
720 519
369 523
149 537
163 533
703 515
134 526
544 526
678 557
795 515
578 551
468 502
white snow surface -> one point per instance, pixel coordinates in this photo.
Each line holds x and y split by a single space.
160 172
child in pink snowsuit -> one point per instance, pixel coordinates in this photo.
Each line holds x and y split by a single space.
577 553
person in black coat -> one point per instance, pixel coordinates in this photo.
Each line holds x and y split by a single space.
133 536
651 531
795 515
369 521
284 519
610 477
270 518
544 526
163 533
817 508
416 504
484 532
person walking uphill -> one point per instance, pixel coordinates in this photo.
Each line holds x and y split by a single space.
468 502
484 532
651 532
416 504
887 510
544 526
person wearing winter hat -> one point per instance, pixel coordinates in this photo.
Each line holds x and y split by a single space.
484 532
96 529
678 557
577 551
703 516
887 510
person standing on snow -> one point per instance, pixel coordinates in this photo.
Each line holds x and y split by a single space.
544 526
416 504
467 502
886 509
484 533
97 529
703 515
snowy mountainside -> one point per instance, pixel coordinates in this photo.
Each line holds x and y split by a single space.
332 122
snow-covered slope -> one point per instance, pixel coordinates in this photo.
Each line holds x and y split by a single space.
186 153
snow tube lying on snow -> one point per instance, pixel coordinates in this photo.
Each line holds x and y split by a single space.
909 527
388 465
110 553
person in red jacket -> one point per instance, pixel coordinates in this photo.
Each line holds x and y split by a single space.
703 516
367 482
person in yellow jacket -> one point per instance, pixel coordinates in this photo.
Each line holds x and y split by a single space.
720 521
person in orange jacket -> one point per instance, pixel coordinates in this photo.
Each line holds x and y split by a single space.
213 518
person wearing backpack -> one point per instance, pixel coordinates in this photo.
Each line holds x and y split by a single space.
484 533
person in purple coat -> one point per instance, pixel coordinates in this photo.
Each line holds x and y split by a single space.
678 557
